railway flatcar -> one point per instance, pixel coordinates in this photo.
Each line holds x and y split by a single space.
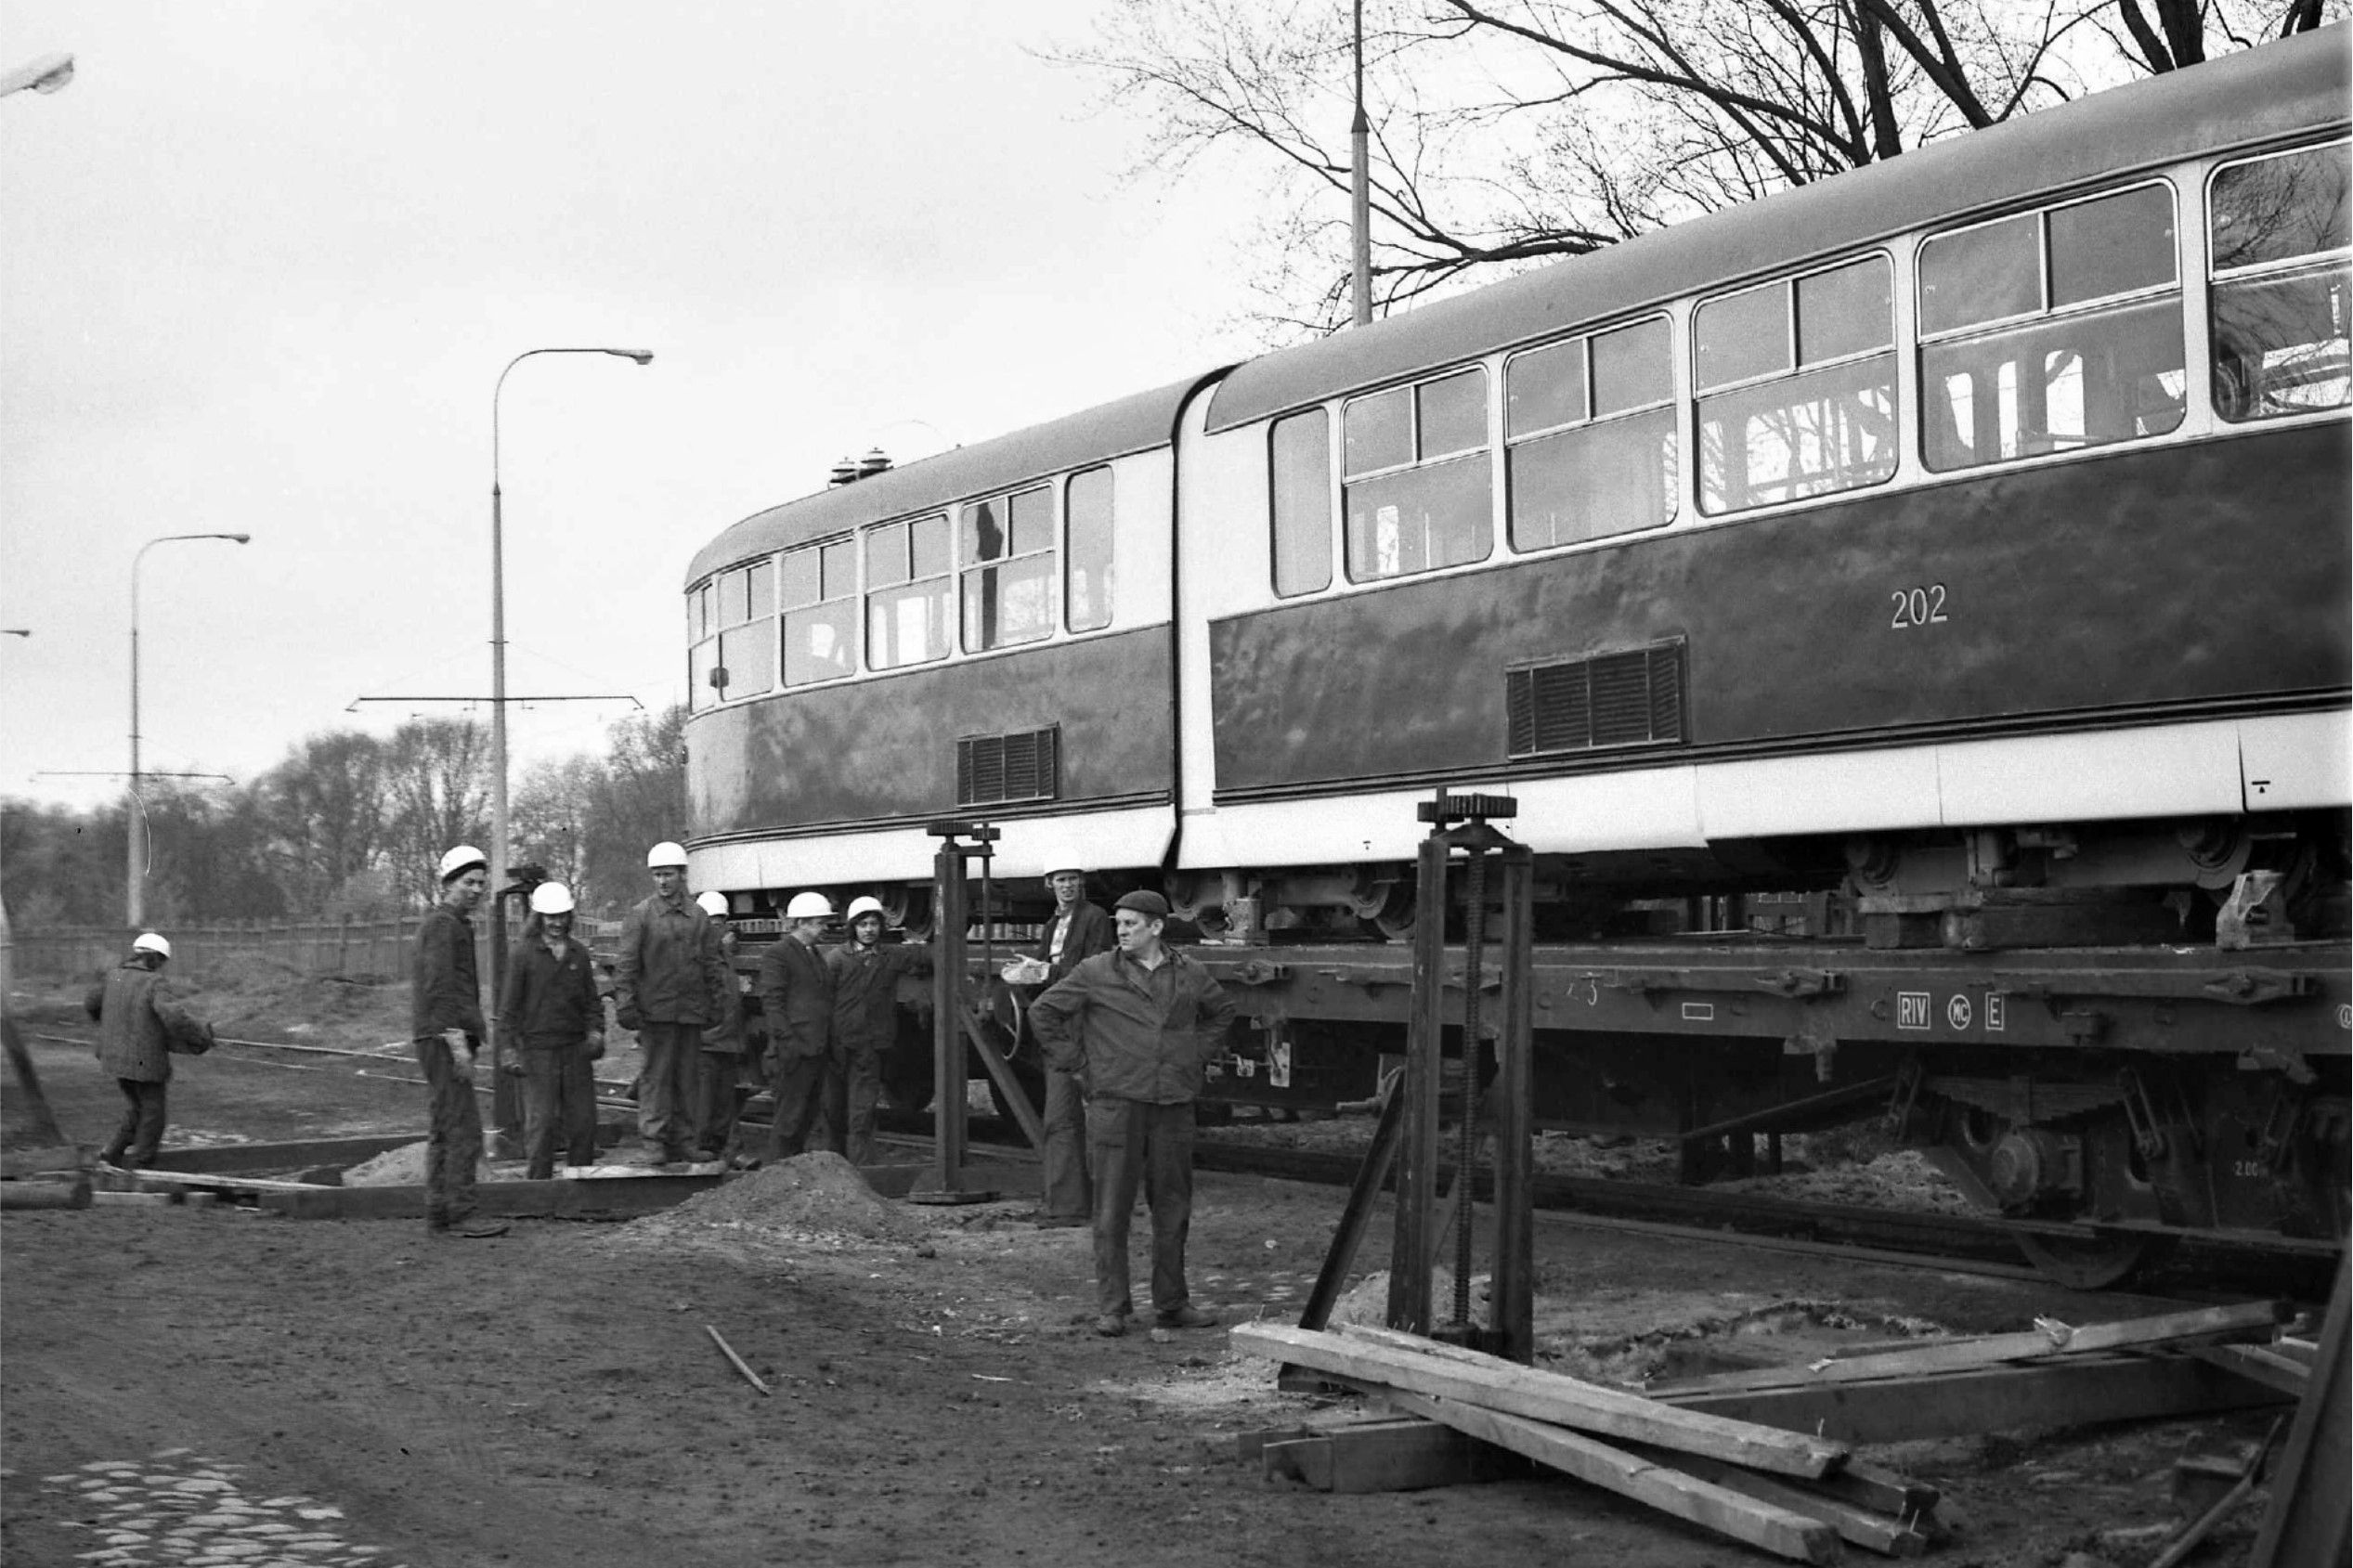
1955 549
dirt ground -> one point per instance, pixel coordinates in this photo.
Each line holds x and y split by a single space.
212 1387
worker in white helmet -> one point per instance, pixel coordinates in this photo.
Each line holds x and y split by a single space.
1079 930
445 1010
724 1090
805 1066
669 985
549 1010
865 1013
141 1026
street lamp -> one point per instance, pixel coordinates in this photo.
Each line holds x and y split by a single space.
135 901
498 628
48 74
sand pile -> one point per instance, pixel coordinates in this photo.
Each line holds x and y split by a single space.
404 1166
818 1192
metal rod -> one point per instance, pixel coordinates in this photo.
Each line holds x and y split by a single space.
729 1351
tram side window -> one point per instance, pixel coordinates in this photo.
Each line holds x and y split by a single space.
2282 283
1301 463
747 610
1797 385
819 588
910 592
1008 547
702 645
1588 426
1415 485
1086 526
2052 332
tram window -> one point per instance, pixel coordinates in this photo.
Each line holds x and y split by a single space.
2072 375
819 584
1570 479
908 594
1378 432
1989 273
1439 512
1824 419
702 645
1008 574
1301 449
742 609
1087 587
2283 285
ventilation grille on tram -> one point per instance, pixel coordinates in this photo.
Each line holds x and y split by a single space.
1023 766
1629 698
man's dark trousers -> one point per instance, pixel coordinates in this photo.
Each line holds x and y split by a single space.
134 1141
453 1137
804 1085
1133 1143
559 1106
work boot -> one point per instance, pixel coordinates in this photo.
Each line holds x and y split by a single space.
477 1230
1111 1327
1188 1316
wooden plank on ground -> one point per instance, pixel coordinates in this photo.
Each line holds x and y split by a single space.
645 1195
1546 1397
1880 1490
2067 1392
1856 1525
2251 1317
1765 1525
221 1158
1393 1455
2288 1374
34 1161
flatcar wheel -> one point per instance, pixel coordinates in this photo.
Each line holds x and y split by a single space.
2093 1263
1395 919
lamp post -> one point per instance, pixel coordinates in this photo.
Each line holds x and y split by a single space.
134 898
499 625
48 74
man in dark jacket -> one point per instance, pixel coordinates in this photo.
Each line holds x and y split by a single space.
796 995
445 1011
669 985
865 1013
550 1011
1078 931
141 1026
1137 1027
724 1044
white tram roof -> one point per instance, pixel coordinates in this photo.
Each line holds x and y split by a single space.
1135 424
2278 89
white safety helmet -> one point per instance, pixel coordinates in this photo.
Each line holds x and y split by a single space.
665 853
714 904
550 898
1067 865
809 906
462 859
865 905
148 941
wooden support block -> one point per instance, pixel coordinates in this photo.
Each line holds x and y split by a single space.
220 1159
1880 1490
34 1161
1402 1361
74 1194
133 1199
2060 1394
1389 1455
1765 1525
2265 1364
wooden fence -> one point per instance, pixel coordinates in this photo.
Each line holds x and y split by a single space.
378 950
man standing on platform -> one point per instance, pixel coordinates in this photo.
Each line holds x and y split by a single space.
1137 1027
796 994
723 1046
1079 930
669 986
445 1009
140 1027
865 1013
550 1013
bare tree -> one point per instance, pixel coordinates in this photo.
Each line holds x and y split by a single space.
549 817
639 802
438 786
1512 132
327 809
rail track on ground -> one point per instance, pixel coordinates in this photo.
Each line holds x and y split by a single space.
2192 1261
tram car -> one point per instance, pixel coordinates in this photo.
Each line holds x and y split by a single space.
1952 554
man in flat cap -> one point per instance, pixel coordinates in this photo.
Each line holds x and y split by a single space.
1137 1027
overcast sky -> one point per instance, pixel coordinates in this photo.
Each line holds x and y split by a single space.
261 264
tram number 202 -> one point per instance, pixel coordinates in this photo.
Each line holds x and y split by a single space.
1917 606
